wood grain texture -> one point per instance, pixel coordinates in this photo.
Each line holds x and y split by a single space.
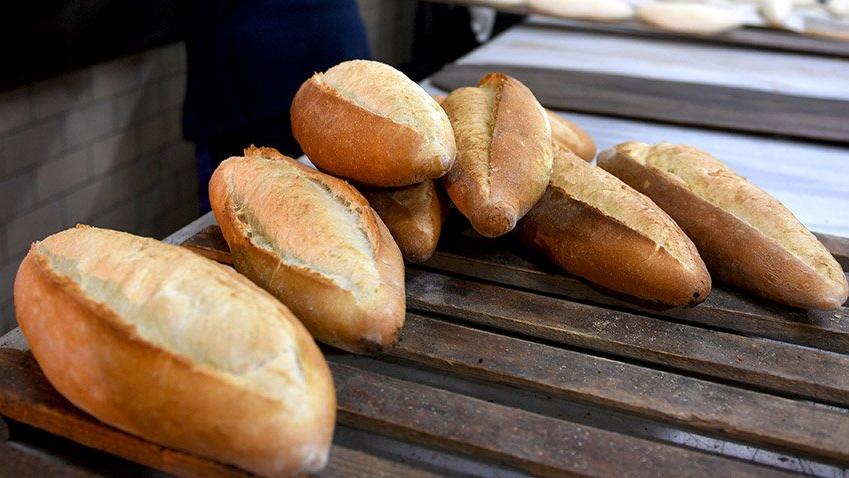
693 104
535 443
504 262
784 368
699 404
26 396
18 463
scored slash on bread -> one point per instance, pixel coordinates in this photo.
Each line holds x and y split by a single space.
168 345
414 215
746 237
367 122
314 242
504 152
592 225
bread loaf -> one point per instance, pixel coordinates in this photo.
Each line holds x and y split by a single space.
504 153
313 242
746 237
165 344
367 122
691 18
564 133
592 225
567 134
413 214
595 10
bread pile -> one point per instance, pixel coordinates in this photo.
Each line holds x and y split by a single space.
168 345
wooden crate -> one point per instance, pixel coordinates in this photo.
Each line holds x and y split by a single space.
481 312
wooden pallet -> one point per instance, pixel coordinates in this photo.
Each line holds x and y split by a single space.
675 102
736 368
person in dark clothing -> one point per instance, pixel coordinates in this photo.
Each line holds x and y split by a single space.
246 61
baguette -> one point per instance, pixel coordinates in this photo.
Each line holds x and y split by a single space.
367 122
567 134
165 344
413 214
690 18
313 242
504 152
595 10
592 225
564 133
746 237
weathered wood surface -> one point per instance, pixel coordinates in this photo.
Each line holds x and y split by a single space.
520 439
27 397
676 102
726 308
780 367
699 404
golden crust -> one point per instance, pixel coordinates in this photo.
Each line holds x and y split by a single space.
313 242
347 139
414 216
121 368
766 265
566 134
504 152
613 243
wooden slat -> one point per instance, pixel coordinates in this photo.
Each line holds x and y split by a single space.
760 38
494 260
517 438
773 365
705 406
26 396
18 463
728 309
836 245
692 104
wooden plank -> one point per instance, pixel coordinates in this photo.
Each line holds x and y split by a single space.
496 261
784 368
535 443
21 464
753 37
693 104
26 396
345 462
705 406
506 263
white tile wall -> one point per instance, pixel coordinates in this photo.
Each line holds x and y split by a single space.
100 146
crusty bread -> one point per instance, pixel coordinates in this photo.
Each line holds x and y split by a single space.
594 226
596 10
566 134
414 215
746 237
313 242
165 344
366 121
504 152
690 18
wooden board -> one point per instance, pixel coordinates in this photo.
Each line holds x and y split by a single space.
27 397
674 102
20 464
515 329
395 407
